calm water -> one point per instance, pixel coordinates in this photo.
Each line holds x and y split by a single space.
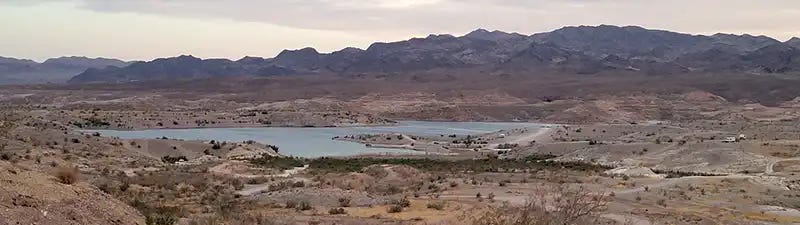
316 142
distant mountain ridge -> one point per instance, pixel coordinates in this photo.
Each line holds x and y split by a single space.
83 62
54 70
574 49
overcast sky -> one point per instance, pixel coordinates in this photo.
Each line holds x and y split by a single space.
147 29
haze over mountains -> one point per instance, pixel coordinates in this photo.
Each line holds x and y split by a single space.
55 70
576 50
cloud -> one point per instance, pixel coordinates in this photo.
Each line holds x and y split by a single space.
453 16
354 15
143 29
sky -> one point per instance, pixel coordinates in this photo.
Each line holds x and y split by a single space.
148 29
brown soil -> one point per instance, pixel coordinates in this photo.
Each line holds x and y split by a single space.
30 197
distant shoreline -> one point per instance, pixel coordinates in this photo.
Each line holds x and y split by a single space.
234 126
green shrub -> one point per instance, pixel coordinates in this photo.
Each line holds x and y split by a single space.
160 219
503 183
171 159
291 204
453 184
536 162
677 174
403 202
237 184
283 185
277 162
344 202
303 206
507 146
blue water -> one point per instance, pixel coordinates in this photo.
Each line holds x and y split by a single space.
317 142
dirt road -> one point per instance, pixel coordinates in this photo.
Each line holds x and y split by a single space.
525 138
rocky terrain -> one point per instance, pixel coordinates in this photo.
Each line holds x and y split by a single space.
631 156
30 197
642 155
636 126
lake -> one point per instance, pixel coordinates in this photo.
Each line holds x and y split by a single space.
317 142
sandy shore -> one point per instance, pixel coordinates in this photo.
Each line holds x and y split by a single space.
447 145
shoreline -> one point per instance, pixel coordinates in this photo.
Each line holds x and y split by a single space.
538 136
417 148
239 126
397 122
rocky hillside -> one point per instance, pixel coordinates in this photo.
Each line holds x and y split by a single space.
30 197
55 70
577 50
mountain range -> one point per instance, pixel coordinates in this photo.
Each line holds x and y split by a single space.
54 70
575 50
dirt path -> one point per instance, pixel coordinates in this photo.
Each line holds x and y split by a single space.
406 146
405 136
627 219
259 188
290 172
770 169
525 139
510 199
223 170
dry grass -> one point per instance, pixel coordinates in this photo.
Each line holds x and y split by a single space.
68 174
440 205
556 205
770 217
418 210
